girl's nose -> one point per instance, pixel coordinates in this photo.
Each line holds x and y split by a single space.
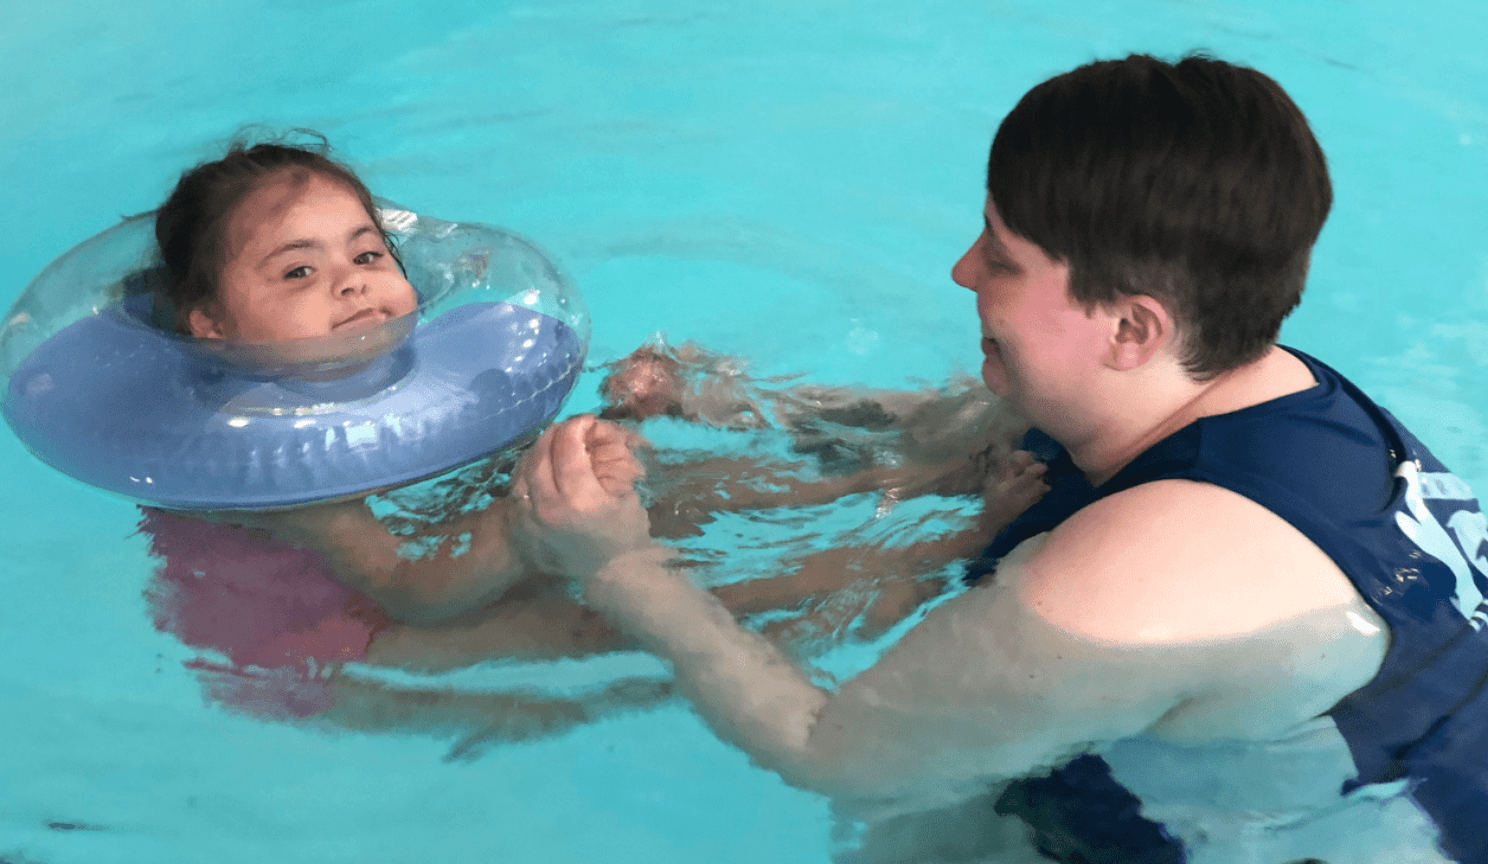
351 284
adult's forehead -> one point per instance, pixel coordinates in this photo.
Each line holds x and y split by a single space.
999 235
997 229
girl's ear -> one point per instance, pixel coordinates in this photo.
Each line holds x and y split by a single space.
204 324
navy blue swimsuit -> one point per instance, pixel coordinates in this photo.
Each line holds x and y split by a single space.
1408 534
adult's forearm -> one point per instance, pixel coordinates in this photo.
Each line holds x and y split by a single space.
743 686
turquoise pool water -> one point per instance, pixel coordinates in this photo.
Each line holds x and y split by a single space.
788 179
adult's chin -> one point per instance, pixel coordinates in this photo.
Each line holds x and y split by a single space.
994 370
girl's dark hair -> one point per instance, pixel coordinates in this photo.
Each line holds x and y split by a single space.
1197 183
191 225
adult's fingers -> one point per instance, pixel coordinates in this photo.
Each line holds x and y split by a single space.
536 470
519 488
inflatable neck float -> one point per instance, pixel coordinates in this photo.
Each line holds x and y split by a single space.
98 385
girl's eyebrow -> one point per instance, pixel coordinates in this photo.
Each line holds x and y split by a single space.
289 247
316 244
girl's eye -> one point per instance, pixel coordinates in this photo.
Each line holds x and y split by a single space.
369 257
301 272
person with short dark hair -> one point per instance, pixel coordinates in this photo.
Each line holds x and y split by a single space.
1244 623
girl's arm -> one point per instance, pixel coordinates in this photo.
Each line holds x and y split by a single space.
482 719
431 575
893 582
538 618
947 441
438 573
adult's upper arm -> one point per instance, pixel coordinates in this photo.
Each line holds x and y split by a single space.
983 689
1184 610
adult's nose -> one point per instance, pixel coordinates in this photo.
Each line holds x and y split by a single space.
963 272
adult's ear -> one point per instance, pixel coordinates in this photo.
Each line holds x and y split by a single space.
1143 327
204 322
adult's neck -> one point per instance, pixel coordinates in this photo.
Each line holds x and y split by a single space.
1142 407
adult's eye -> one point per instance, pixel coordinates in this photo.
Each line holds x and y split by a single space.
369 257
301 272
997 265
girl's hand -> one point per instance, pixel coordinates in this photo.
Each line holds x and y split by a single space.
612 458
574 508
1017 485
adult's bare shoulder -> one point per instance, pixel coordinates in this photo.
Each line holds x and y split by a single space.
1178 561
1269 627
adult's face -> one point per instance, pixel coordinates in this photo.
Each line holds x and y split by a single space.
1041 349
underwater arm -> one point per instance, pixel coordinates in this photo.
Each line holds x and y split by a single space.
971 695
482 719
1133 616
896 577
486 603
431 575
978 692
535 620
904 443
884 730
698 490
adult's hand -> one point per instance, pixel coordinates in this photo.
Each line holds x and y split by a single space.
574 508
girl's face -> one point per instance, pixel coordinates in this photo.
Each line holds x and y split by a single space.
303 259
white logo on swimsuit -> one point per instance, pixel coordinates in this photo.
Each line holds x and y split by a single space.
1470 527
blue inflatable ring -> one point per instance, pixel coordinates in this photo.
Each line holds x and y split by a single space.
99 391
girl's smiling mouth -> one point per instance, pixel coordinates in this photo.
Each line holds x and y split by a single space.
365 317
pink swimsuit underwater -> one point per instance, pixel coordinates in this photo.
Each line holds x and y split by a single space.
271 610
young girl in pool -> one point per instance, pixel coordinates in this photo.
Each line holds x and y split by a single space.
276 242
